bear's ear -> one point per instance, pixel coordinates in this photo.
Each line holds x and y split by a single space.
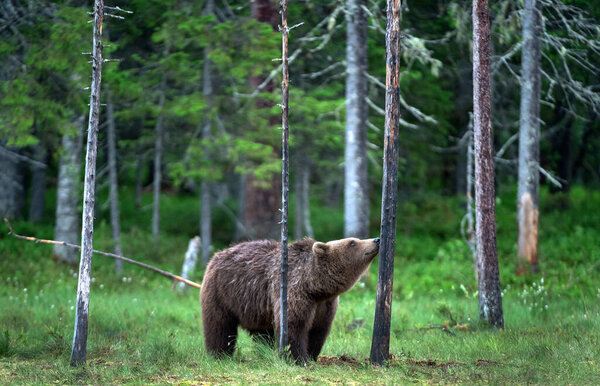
320 249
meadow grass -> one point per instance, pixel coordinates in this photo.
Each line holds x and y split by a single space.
140 332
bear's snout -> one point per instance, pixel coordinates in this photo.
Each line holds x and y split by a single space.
376 240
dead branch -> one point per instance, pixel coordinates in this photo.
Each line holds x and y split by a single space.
113 255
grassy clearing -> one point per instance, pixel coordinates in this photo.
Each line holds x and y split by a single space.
140 332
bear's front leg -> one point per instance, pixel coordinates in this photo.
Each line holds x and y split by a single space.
321 326
298 340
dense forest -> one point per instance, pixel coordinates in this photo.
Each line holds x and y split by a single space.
189 143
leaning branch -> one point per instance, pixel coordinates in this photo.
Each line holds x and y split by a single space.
113 255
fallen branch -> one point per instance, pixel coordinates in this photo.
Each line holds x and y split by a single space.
113 255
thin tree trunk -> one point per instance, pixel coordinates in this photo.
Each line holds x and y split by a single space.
529 138
356 199
469 185
380 345
37 204
79 350
11 183
189 264
205 187
302 226
158 152
490 300
138 178
285 183
67 226
113 181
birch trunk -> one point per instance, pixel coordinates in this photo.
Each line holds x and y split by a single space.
37 204
67 226
529 138
158 152
189 264
113 181
356 200
205 187
79 350
490 300
380 345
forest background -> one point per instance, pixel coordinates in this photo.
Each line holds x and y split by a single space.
195 92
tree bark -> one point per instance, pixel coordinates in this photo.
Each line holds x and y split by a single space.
490 300
11 183
189 264
37 204
285 182
158 152
138 177
380 345
79 350
67 226
529 138
356 199
205 187
302 226
113 182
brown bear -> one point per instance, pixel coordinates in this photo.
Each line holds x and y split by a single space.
241 288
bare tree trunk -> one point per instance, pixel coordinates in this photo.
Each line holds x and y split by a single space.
356 198
138 178
490 300
189 264
11 183
205 187
529 138
285 183
67 226
469 184
158 152
79 350
302 226
380 345
37 204
113 181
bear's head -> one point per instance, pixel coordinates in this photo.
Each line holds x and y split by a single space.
344 261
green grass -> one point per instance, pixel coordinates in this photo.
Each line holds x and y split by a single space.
141 332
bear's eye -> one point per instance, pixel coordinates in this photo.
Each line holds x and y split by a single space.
352 243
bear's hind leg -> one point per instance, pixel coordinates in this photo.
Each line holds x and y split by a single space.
220 331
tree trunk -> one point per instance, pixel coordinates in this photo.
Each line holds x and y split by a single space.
529 138
205 187
490 300
285 183
79 350
302 226
380 345
189 264
11 184
158 152
356 199
113 181
37 204
138 178
67 226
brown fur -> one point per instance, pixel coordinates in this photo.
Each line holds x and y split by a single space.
241 288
